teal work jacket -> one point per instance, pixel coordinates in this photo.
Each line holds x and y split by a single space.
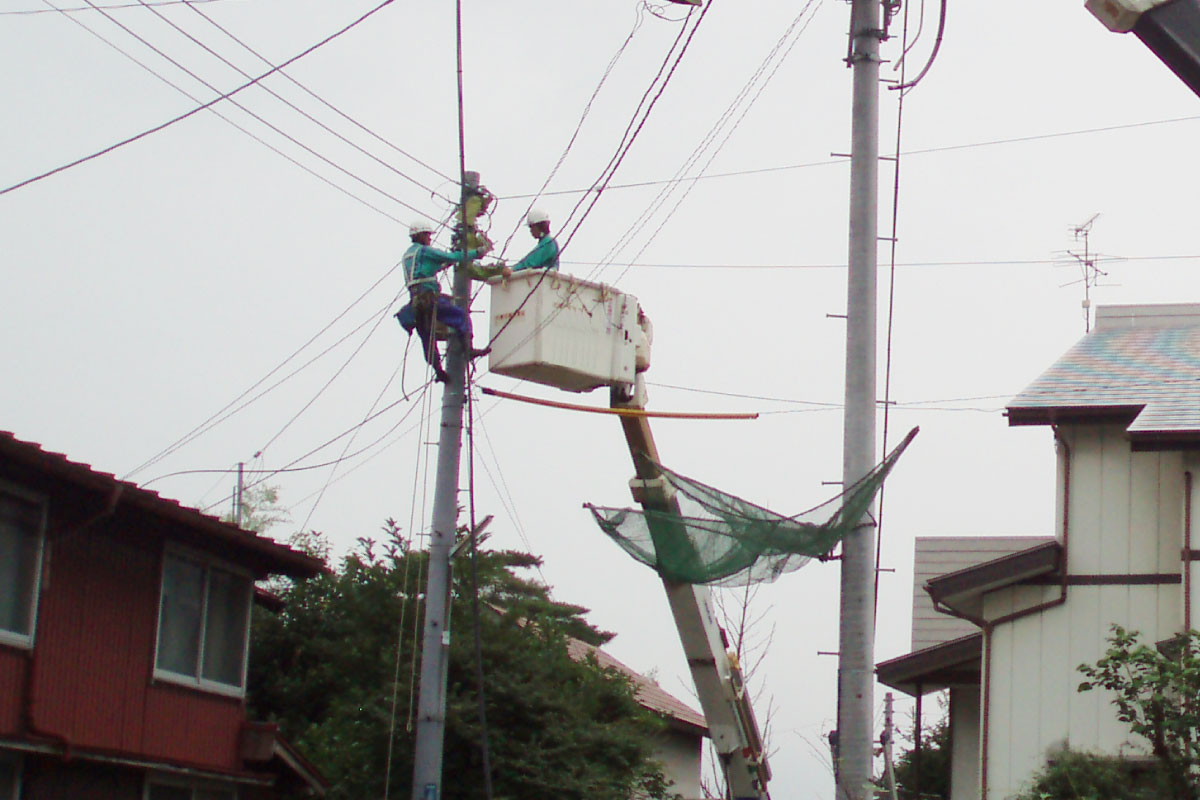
423 262
544 255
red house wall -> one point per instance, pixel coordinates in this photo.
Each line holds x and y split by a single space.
94 657
12 688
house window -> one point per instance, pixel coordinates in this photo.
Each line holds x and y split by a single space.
21 525
203 625
186 791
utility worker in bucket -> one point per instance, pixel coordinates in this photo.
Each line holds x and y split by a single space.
427 305
544 255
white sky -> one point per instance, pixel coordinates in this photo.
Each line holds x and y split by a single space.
145 290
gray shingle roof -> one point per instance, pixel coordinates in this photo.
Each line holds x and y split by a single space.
1140 361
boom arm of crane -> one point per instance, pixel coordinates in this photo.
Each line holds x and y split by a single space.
716 674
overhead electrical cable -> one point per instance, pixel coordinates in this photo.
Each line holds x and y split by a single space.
742 100
325 102
221 415
284 100
380 451
197 109
632 130
291 466
310 150
270 473
113 6
332 378
639 17
504 492
893 240
1016 262
937 45
405 594
842 161
350 443
631 136
222 116
911 43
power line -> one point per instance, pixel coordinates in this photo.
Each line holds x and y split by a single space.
632 129
320 99
93 8
349 443
710 137
612 63
195 110
221 415
239 105
923 264
289 466
246 131
332 378
630 137
831 162
284 100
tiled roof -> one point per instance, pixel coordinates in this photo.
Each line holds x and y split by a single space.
1142 362
267 553
649 694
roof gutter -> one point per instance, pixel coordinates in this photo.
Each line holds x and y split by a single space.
988 626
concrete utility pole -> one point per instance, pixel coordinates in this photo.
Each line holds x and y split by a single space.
435 643
856 650
237 497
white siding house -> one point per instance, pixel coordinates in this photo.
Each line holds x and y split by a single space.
1123 408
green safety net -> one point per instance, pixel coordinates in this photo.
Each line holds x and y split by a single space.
723 540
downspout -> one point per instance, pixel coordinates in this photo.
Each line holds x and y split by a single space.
988 626
917 743
1187 551
28 710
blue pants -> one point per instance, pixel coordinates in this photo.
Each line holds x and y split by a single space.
420 314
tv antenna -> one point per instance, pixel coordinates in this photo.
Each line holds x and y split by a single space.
1088 263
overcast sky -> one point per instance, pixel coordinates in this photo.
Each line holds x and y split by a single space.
146 290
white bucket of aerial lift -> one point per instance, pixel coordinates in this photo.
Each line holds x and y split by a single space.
566 332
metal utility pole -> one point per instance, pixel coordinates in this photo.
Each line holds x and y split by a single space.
435 643
856 677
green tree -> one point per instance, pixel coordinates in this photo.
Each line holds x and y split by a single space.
1073 775
930 778
1156 691
325 667
261 509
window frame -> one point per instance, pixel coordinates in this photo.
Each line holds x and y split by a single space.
12 638
192 786
198 681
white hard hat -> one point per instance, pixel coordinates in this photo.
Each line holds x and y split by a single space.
536 215
420 226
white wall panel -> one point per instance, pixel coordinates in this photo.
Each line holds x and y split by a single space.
1054 707
964 744
1086 644
1170 499
1113 498
1087 480
1145 517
